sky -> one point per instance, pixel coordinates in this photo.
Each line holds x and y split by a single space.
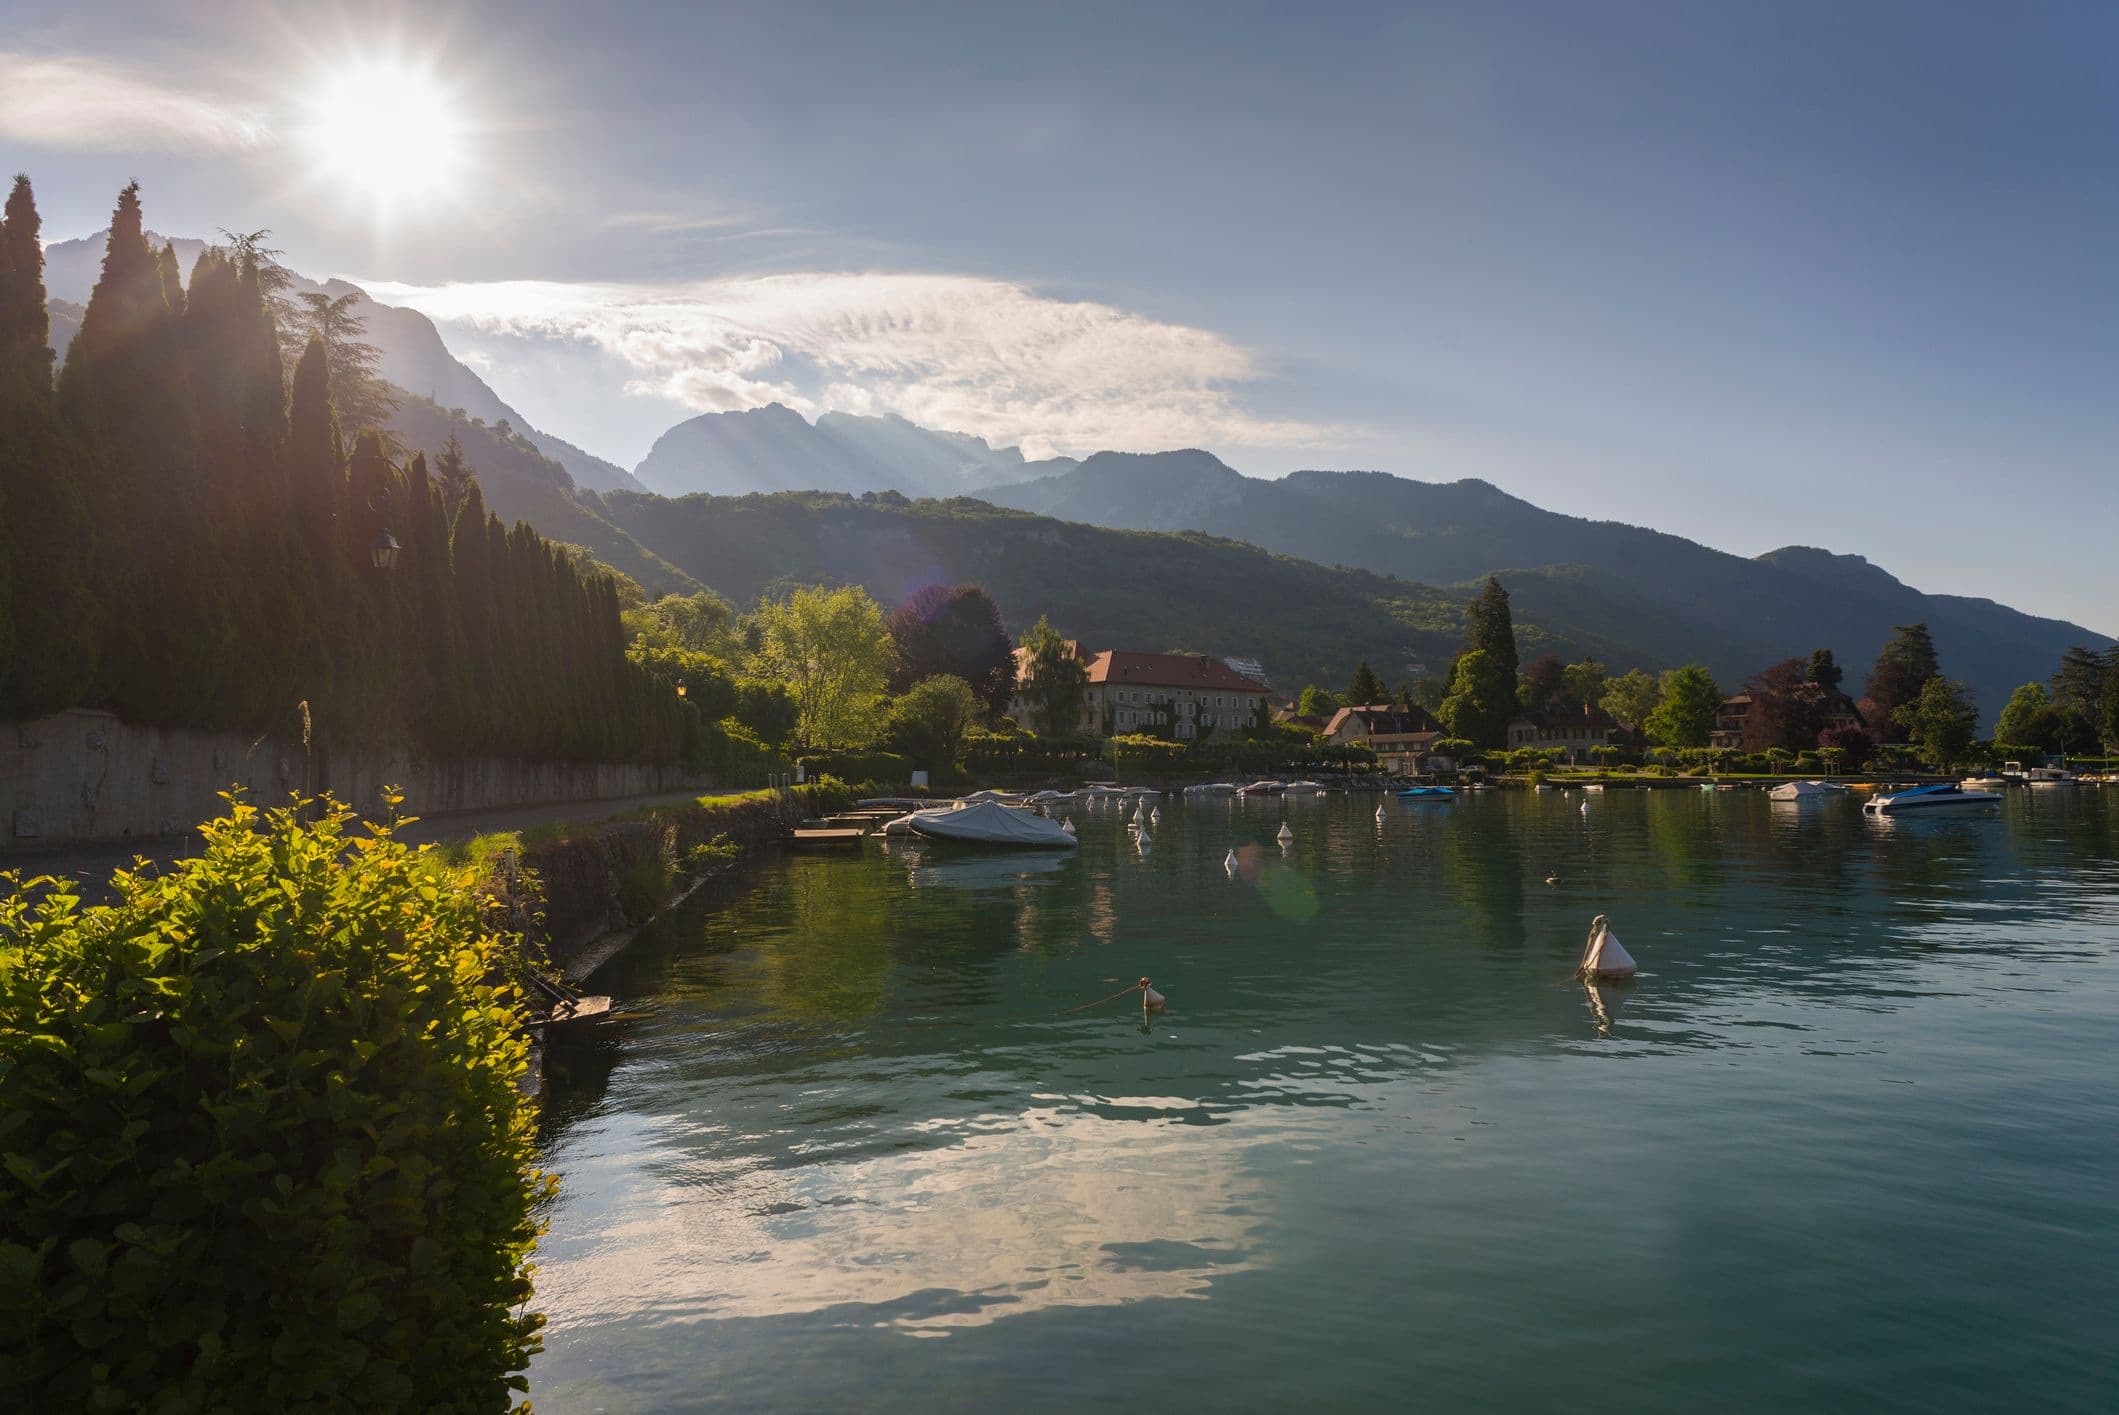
1823 274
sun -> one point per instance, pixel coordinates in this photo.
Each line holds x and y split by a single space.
385 132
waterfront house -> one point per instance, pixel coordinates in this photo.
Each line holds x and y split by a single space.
1179 695
1574 730
1737 725
1401 737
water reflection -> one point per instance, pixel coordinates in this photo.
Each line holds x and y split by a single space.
859 1099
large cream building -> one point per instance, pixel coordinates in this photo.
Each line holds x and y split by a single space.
1180 695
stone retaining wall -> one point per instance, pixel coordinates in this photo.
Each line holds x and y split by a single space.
84 776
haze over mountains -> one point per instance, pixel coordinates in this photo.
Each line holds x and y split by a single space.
1634 596
413 354
775 448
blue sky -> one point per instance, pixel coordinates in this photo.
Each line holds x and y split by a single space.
1823 274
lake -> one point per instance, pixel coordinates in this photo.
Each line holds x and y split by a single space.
1850 1142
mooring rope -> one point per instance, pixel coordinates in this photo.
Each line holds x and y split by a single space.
1137 987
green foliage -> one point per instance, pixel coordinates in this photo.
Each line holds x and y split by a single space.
1632 696
954 631
2029 723
1941 722
644 888
1583 682
882 768
1481 699
1366 688
1492 630
1317 702
1058 681
703 623
929 721
263 1147
1690 701
830 648
1904 668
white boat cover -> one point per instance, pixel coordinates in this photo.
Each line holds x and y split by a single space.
1805 790
985 823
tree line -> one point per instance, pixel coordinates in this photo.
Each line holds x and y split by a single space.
1796 705
193 538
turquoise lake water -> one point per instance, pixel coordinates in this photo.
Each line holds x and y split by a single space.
1850 1142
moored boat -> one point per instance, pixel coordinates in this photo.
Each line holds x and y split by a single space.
1263 788
1942 796
989 823
1427 793
1806 791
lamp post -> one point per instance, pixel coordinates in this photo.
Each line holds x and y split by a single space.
384 549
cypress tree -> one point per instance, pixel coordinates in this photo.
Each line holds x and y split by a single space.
44 525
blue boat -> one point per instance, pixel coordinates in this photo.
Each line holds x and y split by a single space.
1427 793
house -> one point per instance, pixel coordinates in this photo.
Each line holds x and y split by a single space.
1179 695
1737 724
1574 730
1401 737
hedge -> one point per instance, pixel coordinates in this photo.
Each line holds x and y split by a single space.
261 1140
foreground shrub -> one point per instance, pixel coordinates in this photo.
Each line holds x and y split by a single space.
261 1143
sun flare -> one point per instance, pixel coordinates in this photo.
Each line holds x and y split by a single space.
386 132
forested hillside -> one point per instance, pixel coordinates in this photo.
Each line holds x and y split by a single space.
1133 589
1672 598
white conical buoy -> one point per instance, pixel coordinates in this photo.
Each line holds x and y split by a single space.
1068 826
1286 835
1585 808
1155 817
1379 813
1604 956
1229 864
1150 999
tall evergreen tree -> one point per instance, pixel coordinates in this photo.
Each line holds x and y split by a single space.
54 633
1493 632
1906 666
1824 670
1365 689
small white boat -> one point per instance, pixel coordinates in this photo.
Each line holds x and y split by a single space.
1943 796
1984 783
987 823
2048 776
1212 788
1593 786
1806 791
1263 788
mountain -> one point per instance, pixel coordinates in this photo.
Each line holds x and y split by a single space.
1148 590
775 448
414 357
1676 599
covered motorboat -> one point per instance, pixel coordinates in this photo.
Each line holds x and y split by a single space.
987 823
1943 796
1427 793
1212 788
1806 791
1263 788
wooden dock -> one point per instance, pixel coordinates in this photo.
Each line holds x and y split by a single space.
813 837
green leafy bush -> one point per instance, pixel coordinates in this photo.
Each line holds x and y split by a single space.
644 888
261 1141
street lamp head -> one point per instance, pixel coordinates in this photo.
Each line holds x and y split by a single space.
384 550
680 687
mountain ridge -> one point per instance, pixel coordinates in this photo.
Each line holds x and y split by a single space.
775 448
1738 614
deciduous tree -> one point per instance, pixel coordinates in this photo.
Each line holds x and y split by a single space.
1690 702
1058 683
1632 696
830 647
1940 722
955 631
1481 699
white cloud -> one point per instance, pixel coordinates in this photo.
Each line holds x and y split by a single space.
968 354
72 101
